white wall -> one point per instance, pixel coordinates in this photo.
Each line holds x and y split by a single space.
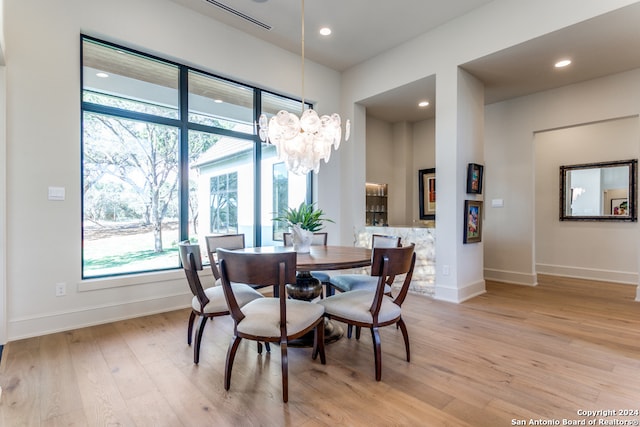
512 167
595 250
424 157
394 154
43 145
496 26
3 181
3 205
379 151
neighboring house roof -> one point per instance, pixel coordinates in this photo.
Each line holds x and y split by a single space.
224 149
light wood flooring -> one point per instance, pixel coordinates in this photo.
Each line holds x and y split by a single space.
511 355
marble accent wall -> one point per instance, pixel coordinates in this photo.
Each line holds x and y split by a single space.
424 272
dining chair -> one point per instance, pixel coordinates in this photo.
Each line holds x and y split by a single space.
276 320
225 241
207 303
351 282
319 239
375 309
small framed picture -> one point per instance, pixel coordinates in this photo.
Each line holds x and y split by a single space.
474 178
427 196
620 207
472 221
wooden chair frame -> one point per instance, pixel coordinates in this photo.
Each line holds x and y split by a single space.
387 262
265 269
192 263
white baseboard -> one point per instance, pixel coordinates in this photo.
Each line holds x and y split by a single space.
527 279
458 295
625 277
48 323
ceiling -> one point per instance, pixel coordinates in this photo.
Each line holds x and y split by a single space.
362 29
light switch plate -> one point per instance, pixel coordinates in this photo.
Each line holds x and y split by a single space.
56 193
497 203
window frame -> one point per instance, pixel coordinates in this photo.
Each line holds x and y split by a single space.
183 125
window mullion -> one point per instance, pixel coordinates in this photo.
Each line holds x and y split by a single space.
183 91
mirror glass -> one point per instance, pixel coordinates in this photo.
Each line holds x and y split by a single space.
599 191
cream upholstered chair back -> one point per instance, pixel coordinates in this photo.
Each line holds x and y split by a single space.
226 241
278 319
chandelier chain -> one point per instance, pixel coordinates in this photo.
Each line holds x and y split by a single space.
302 56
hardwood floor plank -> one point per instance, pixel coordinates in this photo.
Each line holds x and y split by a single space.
20 382
513 353
59 392
101 399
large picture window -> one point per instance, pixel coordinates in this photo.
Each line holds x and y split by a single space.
170 153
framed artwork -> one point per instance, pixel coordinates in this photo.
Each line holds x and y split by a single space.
620 207
427 196
474 178
472 221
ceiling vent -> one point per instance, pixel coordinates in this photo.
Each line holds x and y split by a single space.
239 14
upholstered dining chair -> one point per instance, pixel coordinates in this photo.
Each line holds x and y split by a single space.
319 239
225 241
207 303
276 320
375 309
351 282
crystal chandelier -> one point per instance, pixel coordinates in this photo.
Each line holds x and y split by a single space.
302 142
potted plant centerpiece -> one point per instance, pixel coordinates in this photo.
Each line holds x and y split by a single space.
303 221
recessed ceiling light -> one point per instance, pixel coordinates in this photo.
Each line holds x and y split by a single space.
325 31
218 101
563 63
102 75
423 104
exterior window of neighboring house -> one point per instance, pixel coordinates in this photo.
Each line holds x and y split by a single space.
280 197
223 204
170 153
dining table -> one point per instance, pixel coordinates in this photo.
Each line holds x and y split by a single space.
307 287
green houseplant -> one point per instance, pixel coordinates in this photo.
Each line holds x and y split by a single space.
306 215
303 221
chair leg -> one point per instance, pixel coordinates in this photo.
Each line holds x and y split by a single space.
358 328
403 328
285 371
199 332
318 343
192 318
375 335
349 330
231 354
267 346
328 289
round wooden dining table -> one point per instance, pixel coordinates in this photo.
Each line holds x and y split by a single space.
323 257
319 258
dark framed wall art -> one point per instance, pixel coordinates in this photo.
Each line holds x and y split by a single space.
472 221
427 193
474 178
